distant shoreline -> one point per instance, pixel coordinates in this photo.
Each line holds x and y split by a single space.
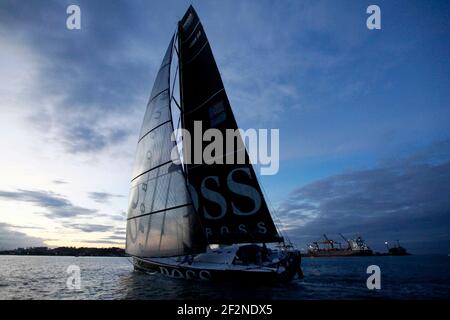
66 252
52 255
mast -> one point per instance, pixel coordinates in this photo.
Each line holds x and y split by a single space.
226 196
180 72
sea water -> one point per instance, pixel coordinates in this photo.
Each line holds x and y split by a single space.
41 277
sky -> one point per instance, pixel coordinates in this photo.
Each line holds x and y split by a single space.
363 114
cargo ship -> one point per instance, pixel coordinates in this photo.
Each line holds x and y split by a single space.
331 248
396 250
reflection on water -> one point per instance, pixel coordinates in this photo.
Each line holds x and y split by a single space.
24 277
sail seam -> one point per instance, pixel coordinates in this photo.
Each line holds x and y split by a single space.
207 100
159 125
159 165
198 52
159 211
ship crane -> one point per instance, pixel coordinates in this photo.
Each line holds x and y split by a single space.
331 243
346 240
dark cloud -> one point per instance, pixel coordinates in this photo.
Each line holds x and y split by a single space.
102 241
102 197
407 200
115 237
10 239
56 205
85 137
25 227
118 217
121 232
89 227
96 72
114 216
59 181
118 237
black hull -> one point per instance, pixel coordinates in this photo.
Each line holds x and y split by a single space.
290 267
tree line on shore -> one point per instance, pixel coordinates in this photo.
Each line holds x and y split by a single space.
66 251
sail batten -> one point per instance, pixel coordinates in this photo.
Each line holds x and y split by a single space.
156 96
162 210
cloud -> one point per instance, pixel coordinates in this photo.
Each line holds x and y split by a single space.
407 200
104 241
120 232
85 137
95 82
88 106
118 237
115 237
56 205
59 182
10 239
15 226
80 95
88 227
114 216
102 197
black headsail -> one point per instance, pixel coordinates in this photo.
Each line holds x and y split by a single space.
227 197
161 218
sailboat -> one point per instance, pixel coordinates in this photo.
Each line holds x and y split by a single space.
204 221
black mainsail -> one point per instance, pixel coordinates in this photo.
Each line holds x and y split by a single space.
227 197
161 219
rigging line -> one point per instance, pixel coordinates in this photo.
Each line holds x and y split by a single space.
180 71
174 79
173 88
176 50
179 149
164 65
176 102
272 208
178 126
171 93
177 71
175 41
